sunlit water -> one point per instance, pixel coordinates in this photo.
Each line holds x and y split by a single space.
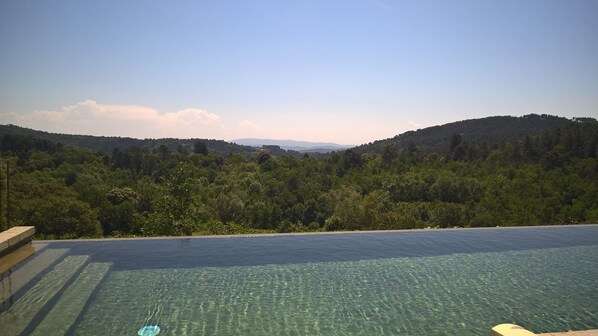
408 283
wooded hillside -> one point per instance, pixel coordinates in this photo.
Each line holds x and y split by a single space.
68 192
490 130
108 144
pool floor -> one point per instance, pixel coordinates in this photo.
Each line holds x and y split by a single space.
548 289
446 295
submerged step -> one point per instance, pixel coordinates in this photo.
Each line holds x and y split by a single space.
10 260
72 302
16 319
12 282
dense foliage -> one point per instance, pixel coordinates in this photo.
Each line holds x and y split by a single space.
489 130
107 144
67 192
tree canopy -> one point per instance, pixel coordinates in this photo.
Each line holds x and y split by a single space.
68 192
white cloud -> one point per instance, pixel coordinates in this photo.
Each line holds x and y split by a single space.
89 117
92 118
193 116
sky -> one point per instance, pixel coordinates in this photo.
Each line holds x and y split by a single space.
343 71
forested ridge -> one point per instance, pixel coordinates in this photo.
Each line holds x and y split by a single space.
107 144
67 192
489 130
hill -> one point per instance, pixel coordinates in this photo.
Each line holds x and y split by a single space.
68 192
107 144
488 130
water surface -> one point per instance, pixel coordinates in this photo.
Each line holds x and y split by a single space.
447 282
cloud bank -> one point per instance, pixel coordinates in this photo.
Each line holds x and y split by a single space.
91 118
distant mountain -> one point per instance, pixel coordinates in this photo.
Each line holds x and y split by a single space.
489 130
294 145
107 144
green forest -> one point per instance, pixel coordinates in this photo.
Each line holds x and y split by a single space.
69 192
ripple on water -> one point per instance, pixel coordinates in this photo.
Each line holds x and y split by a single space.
459 294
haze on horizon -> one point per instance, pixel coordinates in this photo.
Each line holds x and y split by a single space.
348 72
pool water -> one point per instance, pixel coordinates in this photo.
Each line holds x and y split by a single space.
438 282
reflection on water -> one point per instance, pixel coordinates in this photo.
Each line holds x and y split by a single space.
251 251
437 282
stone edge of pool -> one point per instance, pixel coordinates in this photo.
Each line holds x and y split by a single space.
14 238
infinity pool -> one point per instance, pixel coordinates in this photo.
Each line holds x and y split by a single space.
436 282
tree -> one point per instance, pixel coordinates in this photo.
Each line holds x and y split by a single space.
117 196
178 210
389 153
54 210
263 156
459 153
200 147
118 218
456 140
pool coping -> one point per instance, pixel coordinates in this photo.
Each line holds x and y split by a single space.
256 235
15 237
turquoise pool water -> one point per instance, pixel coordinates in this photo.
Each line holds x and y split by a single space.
457 282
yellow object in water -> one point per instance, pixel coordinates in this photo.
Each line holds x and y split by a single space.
511 330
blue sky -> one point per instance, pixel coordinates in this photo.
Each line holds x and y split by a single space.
349 71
